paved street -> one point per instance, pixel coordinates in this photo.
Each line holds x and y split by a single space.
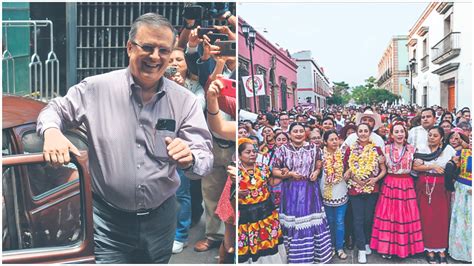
189 256
377 259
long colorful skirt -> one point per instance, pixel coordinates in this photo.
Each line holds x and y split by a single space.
260 237
305 227
435 214
397 224
460 238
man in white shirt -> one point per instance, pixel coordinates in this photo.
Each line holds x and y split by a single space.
418 136
374 121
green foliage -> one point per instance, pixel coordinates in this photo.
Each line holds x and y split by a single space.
340 94
370 94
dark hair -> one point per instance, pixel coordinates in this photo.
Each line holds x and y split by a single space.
346 128
252 137
446 121
437 153
282 114
243 146
319 130
464 124
281 133
270 118
328 133
300 115
296 124
327 118
363 124
461 136
439 129
429 109
465 111
447 114
368 107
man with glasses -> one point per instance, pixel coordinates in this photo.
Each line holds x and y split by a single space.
284 121
141 128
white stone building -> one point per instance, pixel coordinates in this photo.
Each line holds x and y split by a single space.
313 85
440 53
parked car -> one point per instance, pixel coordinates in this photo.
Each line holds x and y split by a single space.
46 210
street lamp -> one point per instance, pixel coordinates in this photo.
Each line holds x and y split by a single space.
250 35
412 63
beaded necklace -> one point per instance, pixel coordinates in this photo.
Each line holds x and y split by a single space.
394 162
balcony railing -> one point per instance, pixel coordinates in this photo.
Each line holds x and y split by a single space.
449 47
386 75
425 62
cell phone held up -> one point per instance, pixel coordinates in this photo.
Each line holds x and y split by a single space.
213 37
229 87
171 71
204 31
227 48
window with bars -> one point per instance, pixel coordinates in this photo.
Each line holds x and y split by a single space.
102 31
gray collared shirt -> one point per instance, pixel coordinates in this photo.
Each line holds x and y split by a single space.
128 159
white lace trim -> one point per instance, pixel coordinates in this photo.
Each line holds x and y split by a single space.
304 222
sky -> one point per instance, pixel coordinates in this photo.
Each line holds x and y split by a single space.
346 39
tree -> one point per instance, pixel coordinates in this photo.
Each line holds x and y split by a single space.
340 94
370 94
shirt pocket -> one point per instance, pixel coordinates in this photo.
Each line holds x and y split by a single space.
160 152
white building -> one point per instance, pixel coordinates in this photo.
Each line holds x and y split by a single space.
440 52
313 85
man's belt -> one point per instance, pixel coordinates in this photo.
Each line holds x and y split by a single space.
139 212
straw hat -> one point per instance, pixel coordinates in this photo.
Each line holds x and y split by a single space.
369 113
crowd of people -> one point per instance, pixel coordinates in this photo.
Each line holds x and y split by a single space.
392 180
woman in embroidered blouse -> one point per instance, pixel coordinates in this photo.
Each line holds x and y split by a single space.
365 166
433 198
259 234
397 225
281 138
304 224
334 190
460 229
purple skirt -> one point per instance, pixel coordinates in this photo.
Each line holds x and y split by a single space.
304 224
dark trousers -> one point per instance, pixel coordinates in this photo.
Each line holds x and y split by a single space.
349 223
196 200
363 207
122 237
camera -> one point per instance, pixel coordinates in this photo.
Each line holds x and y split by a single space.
227 48
171 71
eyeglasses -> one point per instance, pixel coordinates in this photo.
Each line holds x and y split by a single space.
150 49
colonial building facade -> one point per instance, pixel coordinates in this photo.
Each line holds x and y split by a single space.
313 85
440 52
392 73
278 69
